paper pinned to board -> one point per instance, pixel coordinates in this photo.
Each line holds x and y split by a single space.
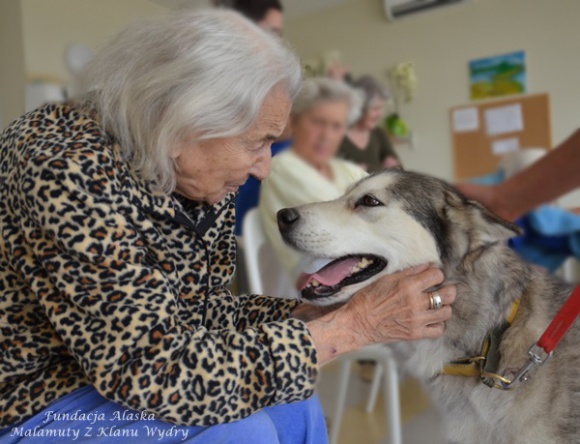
504 119
504 146
465 120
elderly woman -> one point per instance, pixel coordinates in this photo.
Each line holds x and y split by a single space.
366 143
117 246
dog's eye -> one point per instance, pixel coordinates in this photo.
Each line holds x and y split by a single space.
368 201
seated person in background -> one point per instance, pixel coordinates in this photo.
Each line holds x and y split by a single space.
366 143
309 171
551 234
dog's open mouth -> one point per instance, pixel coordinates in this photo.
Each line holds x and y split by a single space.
339 273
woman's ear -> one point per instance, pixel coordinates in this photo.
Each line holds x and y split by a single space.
175 153
185 142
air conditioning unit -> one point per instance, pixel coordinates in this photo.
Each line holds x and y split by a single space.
398 9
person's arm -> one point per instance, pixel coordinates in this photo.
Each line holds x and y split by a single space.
549 178
116 311
247 310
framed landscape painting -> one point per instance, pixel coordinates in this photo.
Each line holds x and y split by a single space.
497 76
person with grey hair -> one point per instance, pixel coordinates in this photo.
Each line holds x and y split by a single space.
366 143
117 248
310 170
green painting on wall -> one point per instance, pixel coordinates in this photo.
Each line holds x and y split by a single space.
497 76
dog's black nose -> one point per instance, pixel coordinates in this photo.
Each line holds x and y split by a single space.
286 218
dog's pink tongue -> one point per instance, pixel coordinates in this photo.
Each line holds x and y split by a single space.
329 275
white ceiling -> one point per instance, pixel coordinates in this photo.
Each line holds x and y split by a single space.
292 8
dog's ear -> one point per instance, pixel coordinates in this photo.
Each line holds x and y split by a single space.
492 227
483 226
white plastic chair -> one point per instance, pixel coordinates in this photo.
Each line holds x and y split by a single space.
386 369
261 263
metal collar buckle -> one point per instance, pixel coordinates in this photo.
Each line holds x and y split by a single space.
536 355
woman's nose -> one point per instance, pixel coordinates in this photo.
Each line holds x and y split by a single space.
261 168
286 218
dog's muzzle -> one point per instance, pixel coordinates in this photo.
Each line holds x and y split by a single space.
336 273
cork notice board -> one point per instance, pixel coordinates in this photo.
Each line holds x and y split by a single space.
482 132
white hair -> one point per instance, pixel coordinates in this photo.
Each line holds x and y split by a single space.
202 74
371 89
317 90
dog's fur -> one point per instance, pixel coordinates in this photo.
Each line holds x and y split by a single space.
423 220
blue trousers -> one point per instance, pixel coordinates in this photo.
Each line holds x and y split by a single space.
107 422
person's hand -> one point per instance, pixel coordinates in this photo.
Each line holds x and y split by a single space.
394 308
397 307
489 197
391 162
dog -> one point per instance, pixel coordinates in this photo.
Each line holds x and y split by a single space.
395 220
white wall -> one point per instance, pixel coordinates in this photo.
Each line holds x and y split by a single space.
11 62
440 44
49 26
34 35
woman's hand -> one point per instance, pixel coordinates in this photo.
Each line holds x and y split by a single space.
391 162
394 308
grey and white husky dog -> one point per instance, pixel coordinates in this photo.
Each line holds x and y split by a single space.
394 220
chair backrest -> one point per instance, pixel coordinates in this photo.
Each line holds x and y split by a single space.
265 274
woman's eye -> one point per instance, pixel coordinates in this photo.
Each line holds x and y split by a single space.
368 201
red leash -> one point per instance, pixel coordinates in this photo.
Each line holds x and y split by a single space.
550 339
561 323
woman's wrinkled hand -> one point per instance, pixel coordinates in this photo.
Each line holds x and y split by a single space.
397 307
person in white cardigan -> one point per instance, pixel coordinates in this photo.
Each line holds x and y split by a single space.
309 171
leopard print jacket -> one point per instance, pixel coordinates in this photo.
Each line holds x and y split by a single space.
104 281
